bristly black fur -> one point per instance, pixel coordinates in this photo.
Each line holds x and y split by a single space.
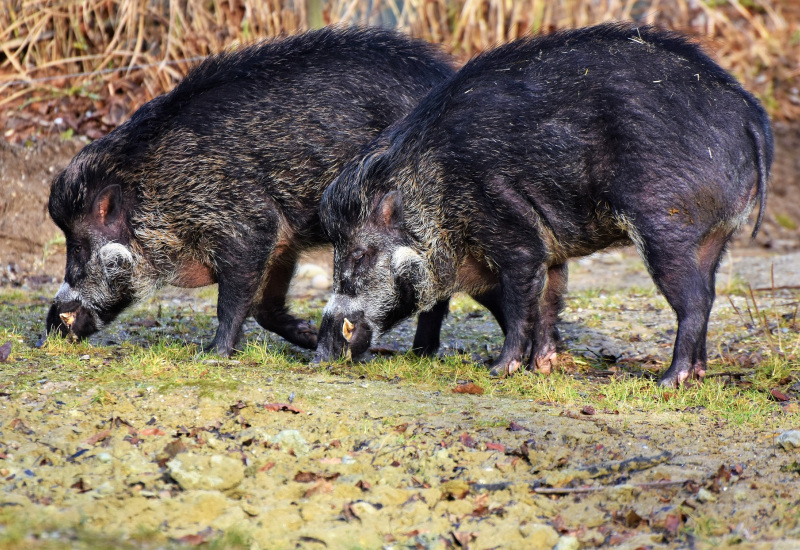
220 179
553 147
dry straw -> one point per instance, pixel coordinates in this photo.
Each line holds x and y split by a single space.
145 43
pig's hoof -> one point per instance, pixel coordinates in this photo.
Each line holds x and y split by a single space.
546 363
502 370
683 377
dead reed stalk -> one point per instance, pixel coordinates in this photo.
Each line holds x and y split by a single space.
144 44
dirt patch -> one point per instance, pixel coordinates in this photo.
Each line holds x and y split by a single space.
354 463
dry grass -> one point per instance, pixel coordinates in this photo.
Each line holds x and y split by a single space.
44 41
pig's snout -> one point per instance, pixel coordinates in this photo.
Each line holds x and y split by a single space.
70 318
61 317
342 336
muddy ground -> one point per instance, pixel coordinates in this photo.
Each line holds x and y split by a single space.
126 442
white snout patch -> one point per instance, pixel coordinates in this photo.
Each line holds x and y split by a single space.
339 303
112 252
67 294
404 258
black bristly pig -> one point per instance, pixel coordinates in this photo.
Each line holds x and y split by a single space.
541 150
220 179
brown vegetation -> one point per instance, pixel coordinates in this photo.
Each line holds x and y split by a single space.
110 56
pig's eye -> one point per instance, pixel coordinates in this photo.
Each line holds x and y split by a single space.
357 256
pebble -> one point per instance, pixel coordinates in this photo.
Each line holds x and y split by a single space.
321 282
215 472
538 535
309 271
567 543
704 495
291 439
789 440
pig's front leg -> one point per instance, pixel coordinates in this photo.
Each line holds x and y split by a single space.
238 283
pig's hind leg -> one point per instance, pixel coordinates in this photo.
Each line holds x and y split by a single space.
271 311
544 355
429 328
429 323
684 269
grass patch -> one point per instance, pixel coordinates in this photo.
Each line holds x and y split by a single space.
160 347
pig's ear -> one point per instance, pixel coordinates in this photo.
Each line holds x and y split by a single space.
108 205
390 210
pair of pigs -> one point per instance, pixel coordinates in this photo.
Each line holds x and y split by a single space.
427 182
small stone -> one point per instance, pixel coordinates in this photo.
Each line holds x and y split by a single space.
567 543
216 472
347 459
789 440
105 458
309 271
704 495
291 439
538 536
321 282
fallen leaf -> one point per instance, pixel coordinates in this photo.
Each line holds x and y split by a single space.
81 486
5 352
320 486
308 477
467 440
496 447
151 431
198 538
463 538
779 395
470 388
348 513
236 407
98 437
19 426
401 428
588 410
632 519
267 467
282 407
560 524
672 523
174 447
455 489
480 511
515 427
363 485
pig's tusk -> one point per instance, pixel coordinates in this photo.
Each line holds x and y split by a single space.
67 318
347 329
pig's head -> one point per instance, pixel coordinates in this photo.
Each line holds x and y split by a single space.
378 278
100 280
